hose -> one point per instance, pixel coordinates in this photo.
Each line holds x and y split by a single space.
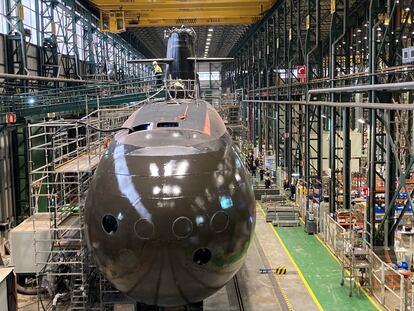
29 291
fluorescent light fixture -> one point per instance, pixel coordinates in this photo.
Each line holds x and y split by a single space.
362 121
210 29
323 116
209 35
208 39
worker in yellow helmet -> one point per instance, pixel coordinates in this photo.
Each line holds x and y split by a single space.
179 89
157 72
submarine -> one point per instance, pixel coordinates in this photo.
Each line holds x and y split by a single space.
170 211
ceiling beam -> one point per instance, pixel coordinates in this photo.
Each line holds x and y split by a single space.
166 14
190 12
191 22
177 3
203 6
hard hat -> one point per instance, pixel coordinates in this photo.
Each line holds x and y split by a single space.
154 63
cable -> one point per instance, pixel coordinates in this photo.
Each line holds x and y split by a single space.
117 129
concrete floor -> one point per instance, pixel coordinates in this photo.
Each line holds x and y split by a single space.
292 286
27 303
257 290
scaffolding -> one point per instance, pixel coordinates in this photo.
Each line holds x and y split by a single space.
229 109
356 264
63 157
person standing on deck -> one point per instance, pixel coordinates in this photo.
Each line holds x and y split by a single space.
157 72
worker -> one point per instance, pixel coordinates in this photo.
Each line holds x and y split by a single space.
261 172
179 89
157 72
286 184
292 191
268 182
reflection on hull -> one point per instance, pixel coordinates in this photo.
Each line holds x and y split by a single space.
170 212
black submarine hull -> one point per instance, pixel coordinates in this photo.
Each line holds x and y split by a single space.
170 212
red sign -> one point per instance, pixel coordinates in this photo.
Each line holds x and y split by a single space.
301 73
11 118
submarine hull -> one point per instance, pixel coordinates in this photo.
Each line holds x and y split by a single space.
169 221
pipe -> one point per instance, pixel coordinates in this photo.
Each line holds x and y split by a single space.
386 106
362 88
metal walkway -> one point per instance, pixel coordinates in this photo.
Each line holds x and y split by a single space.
81 98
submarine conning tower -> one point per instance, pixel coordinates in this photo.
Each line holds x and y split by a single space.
180 48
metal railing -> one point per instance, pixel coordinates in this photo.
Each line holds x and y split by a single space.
389 287
82 97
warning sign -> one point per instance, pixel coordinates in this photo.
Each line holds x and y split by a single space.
11 118
302 72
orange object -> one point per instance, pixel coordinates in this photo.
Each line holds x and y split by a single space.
106 143
206 128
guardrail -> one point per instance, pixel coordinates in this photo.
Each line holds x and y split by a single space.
92 96
392 289
87 96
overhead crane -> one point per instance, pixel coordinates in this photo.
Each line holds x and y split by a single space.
190 12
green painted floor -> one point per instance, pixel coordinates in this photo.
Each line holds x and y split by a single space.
321 271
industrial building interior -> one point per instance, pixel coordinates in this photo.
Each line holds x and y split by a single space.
304 203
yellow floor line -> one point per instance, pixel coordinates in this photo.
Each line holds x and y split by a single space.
372 300
294 264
